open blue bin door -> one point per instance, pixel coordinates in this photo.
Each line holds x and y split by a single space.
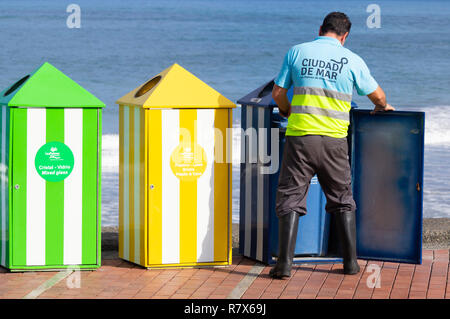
387 169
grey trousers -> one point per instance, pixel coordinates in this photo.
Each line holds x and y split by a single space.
305 156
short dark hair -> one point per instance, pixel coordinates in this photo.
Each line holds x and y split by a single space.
336 22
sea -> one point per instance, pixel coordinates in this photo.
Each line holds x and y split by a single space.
111 47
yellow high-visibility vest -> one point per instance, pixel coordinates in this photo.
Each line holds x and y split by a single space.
318 111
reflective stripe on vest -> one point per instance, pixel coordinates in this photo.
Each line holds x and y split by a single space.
323 92
339 115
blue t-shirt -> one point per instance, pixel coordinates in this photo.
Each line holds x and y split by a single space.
325 63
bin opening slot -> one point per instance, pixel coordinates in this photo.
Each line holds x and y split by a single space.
16 85
148 86
267 89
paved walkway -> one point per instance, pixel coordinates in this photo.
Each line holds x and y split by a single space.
244 279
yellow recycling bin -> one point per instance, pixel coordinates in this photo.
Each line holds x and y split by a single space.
175 173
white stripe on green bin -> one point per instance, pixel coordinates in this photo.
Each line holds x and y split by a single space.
73 196
4 193
55 223
35 199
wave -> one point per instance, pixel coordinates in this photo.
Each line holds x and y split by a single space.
437 128
110 153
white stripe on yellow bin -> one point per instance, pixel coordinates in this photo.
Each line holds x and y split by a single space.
136 188
35 215
170 233
131 193
205 188
73 188
126 178
121 179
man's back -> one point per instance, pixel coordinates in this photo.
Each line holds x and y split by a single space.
323 73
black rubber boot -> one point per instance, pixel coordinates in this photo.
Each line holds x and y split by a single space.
287 236
346 229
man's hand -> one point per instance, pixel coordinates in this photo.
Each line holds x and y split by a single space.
380 108
379 99
285 114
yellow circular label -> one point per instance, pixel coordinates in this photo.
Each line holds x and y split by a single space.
188 163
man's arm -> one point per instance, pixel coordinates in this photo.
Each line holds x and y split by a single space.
379 99
279 95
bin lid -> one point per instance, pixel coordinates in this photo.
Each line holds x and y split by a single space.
48 87
262 96
175 87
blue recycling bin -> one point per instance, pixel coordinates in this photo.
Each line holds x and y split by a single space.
386 152
262 146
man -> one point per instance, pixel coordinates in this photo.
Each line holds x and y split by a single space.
324 74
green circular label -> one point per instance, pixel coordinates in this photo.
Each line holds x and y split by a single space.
54 161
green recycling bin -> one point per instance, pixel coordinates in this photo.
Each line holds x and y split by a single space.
50 159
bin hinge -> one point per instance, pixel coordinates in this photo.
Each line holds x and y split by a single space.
17 186
418 187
